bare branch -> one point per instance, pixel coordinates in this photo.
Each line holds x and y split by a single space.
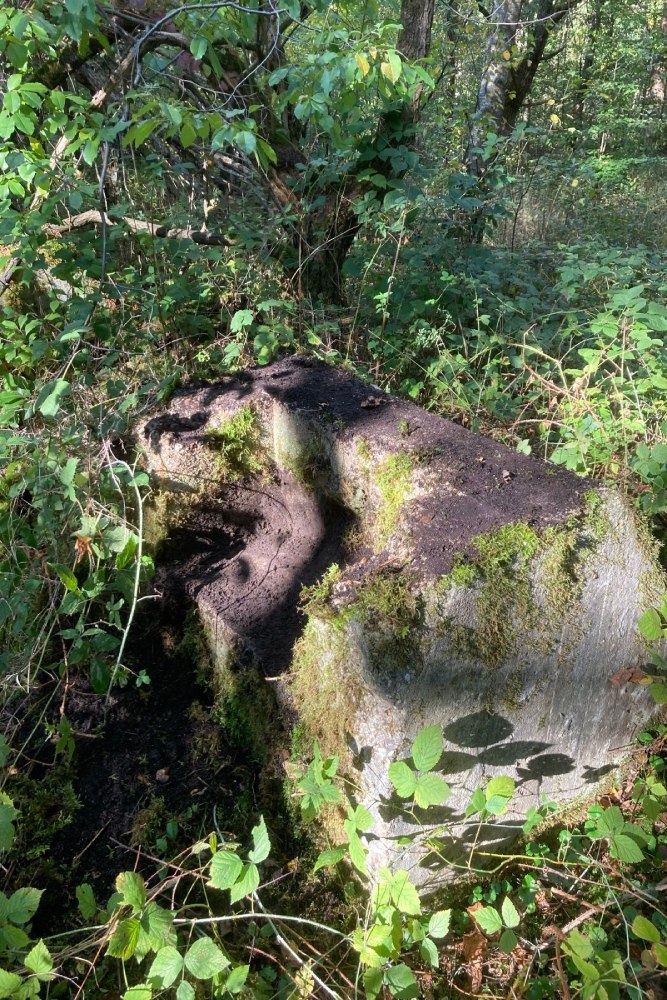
95 217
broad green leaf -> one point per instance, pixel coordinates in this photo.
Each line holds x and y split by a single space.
610 822
659 693
261 843
246 141
429 952
246 885
355 848
431 790
372 983
403 778
329 858
626 849
401 981
23 904
7 817
404 894
427 748
241 319
645 930
362 63
9 983
508 941
185 991
49 399
132 889
166 966
225 869
39 961
476 804
236 979
577 944
204 959
650 625
438 925
510 914
661 953
503 786
139 992
488 919
198 46
124 939
362 819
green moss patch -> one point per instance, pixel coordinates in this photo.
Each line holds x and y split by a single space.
236 443
394 482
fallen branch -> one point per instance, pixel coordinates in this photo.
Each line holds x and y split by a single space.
95 217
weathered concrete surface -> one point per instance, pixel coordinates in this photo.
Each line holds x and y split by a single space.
483 590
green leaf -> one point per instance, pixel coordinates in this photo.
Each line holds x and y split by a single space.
124 939
198 46
372 983
241 319
659 693
166 966
7 815
427 748
139 992
645 930
246 885
660 953
67 578
401 982
403 778
50 397
438 925
236 979
185 991
355 848
39 961
9 983
362 819
488 919
187 135
23 904
650 625
431 790
5 750
68 470
329 858
204 959
429 952
508 941
610 822
246 141
404 895
502 786
225 869
626 849
132 889
510 914
261 843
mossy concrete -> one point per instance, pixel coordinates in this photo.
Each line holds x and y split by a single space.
490 593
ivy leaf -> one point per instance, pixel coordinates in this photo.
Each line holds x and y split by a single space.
438 925
431 790
427 748
225 869
488 919
403 778
246 885
204 959
166 966
261 843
